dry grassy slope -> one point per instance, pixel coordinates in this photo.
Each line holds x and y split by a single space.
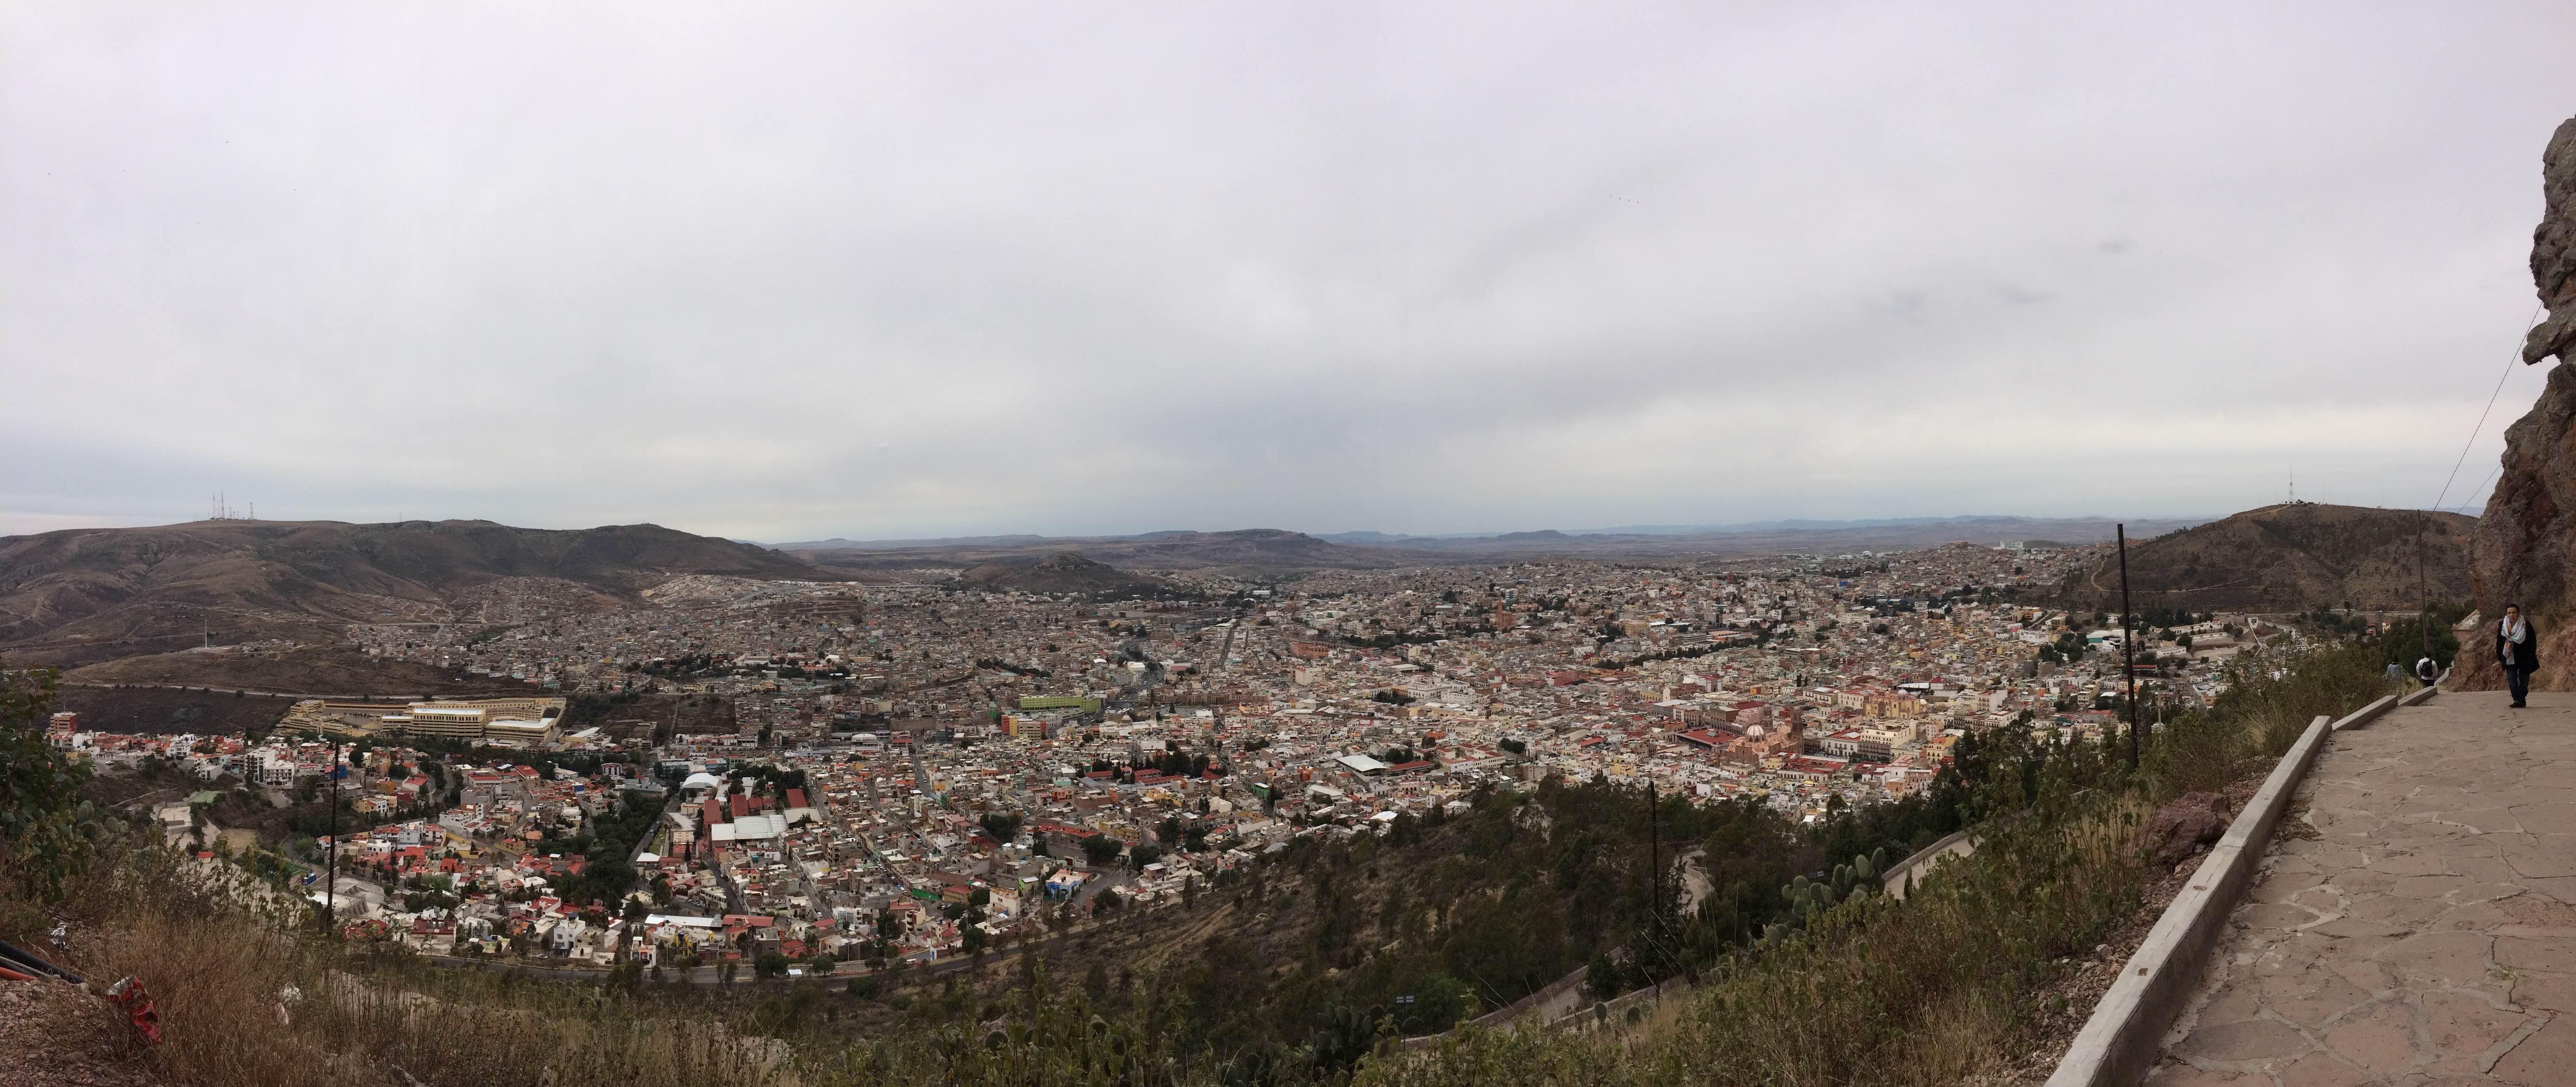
84 595
2289 558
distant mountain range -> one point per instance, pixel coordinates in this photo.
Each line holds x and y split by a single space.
1277 549
80 596
838 544
1250 551
1978 521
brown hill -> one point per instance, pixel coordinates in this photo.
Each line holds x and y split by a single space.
80 596
1063 572
2290 558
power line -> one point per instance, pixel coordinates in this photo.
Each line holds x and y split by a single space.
2463 458
2490 480
2423 583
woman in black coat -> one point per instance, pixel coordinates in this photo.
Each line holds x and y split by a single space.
2517 648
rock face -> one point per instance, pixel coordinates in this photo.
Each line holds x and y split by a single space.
2527 536
2182 826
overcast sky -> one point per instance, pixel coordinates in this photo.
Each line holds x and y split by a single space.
781 273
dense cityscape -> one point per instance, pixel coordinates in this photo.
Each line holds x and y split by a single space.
916 772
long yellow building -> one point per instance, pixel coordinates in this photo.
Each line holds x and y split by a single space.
517 720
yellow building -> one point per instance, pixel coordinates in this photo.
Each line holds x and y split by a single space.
521 720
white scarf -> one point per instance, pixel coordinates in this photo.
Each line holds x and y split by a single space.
2514 632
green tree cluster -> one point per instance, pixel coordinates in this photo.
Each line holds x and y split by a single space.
42 847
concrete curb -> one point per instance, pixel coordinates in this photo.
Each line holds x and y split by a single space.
2121 1041
1900 877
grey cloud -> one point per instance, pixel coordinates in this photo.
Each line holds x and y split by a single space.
795 272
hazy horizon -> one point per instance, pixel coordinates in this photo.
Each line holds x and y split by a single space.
791 273
2151 523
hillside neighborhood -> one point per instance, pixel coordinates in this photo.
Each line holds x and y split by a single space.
919 772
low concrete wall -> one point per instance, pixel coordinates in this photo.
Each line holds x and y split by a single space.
2120 1042
1901 876
1505 1014
1614 1011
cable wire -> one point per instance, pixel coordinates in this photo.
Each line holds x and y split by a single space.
2463 458
2490 480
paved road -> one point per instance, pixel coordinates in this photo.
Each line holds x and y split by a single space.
2425 932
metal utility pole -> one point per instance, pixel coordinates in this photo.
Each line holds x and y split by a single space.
2128 641
1654 842
331 890
2423 596
1654 853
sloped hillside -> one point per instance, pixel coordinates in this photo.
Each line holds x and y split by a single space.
80 596
1065 572
2288 558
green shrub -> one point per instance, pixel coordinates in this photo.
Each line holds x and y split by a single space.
42 847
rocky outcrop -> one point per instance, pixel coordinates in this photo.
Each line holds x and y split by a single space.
2527 538
2181 827
2553 249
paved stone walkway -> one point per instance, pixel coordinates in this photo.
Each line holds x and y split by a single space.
2414 922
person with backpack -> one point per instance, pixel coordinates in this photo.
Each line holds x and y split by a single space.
2428 671
2518 650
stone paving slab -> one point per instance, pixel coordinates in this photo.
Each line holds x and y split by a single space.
2414 921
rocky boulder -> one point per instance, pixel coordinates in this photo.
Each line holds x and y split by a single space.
2184 825
2527 536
